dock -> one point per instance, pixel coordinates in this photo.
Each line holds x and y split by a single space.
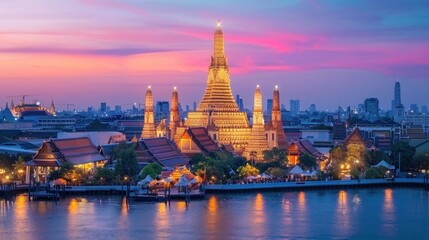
165 195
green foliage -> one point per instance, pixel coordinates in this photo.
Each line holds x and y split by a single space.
218 166
126 163
307 162
276 172
247 170
354 173
97 125
421 161
152 169
66 171
276 155
407 153
337 157
376 156
372 173
104 175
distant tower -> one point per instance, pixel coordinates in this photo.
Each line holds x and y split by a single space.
174 113
52 109
397 107
276 119
149 119
257 142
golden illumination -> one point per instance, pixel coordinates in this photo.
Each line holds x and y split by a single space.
218 24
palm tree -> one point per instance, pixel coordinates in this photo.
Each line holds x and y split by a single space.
19 167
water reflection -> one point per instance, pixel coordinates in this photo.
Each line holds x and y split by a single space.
343 214
162 221
388 215
212 217
257 227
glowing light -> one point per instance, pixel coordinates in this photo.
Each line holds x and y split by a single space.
257 86
218 24
149 87
277 87
175 88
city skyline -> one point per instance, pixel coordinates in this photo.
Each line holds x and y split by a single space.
331 53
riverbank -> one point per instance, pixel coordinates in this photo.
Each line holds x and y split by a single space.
333 184
255 187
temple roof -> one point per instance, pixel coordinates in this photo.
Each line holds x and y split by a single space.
202 138
304 146
74 150
160 150
356 137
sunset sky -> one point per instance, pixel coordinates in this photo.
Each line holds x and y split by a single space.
331 53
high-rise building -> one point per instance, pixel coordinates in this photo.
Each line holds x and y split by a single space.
372 106
269 106
194 106
162 110
397 107
312 108
414 108
118 109
424 109
294 107
103 107
396 96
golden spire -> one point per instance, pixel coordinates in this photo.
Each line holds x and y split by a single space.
174 113
149 118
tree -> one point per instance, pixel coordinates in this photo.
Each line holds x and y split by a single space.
247 170
152 169
307 162
19 167
421 162
66 171
126 163
372 173
218 166
337 158
104 175
276 155
376 156
406 152
97 125
276 172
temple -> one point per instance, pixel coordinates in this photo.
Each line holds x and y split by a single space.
218 110
217 123
257 142
174 113
149 119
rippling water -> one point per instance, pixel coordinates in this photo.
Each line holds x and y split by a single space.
397 213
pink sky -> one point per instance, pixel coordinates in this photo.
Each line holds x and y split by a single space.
328 53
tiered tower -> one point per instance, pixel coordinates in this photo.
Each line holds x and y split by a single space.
174 113
257 142
149 119
218 107
52 109
276 120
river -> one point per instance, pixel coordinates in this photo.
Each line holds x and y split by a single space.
374 213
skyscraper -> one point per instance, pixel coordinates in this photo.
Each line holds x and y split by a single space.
372 106
397 107
269 106
294 107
